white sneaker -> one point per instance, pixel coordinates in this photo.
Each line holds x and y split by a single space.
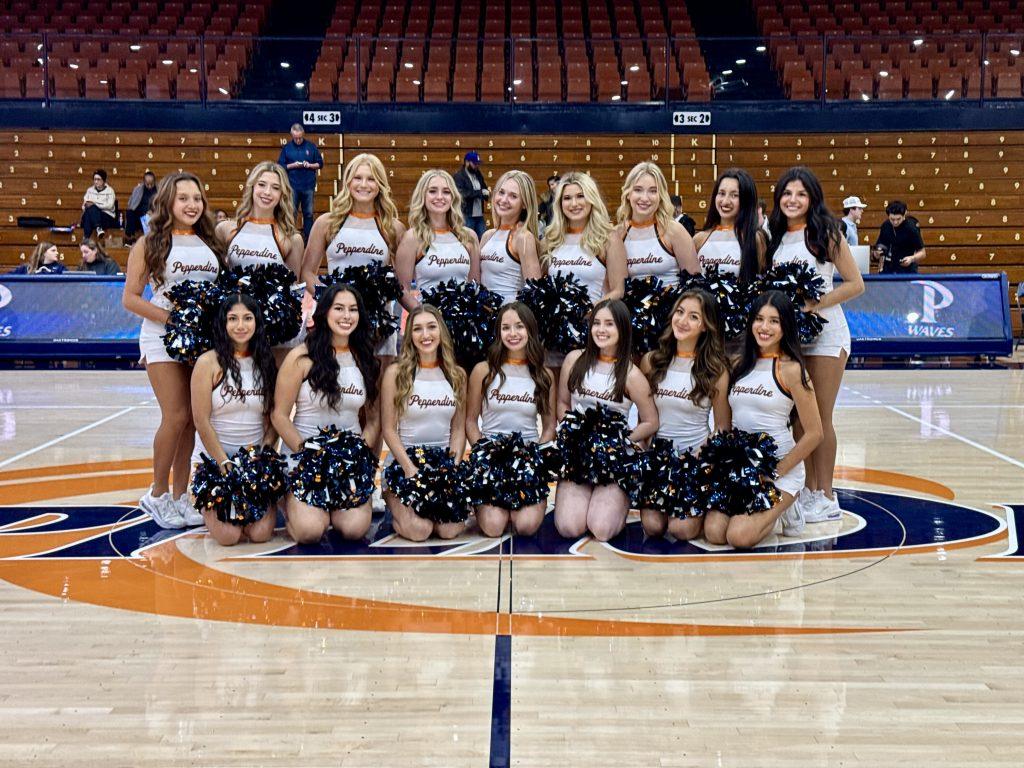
377 500
822 509
777 528
793 520
162 509
190 515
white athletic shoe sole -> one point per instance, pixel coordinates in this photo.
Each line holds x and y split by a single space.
162 510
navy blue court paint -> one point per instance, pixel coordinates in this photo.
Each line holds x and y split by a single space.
501 703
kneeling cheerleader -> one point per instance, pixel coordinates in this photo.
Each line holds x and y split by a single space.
689 375
424 421
599 384
769 380
508 392
238 476
331 382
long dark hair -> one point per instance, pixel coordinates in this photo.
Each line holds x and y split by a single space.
789 345
161 225
497 355
323 375
586 361
709 360
264 369
748 233
822 233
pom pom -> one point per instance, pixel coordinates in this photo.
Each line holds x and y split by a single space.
650 304
732 297
468 310
737 472
335 470
437 491
562 306
377 284
801 283
596 449
669 481
269 285
259 479
194 306
508 472
212 491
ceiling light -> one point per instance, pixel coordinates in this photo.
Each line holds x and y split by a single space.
883 73
760 49
73 66
726 72
300 85
741 62
408 65
193 70
919 41
416 82
623 82
616 97
135 47
168 62
224 91
1015 51
285 65
635 68
949 94
865 97
517 82
986 62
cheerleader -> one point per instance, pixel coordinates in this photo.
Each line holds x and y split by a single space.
804 230
509 251
180 245
330 380
602 374
437 247
581 241
361 227
232 396
656 244
510 392
423 404
263 230
731 239
767 382
689 376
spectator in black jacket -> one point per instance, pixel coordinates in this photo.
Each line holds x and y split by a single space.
900 247
138 205
474 191
96 260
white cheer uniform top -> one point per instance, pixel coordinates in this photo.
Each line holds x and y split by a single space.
571 259
596 389
189 259
238 422
313 412
255 243
760 403
445 259
429 411
512 406
793 248
500 270
646 254
359 241
682 421
722 250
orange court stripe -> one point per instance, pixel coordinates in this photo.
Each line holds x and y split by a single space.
36 473
895 480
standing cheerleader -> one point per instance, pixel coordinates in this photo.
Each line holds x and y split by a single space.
423 405
689 375
180 245
232 396
656 244
330 381
508 393
602 374
765 385
803 230
509 252
361 227
582 242
437 246
731 239
263 230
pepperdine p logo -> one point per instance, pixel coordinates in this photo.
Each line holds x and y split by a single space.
936 297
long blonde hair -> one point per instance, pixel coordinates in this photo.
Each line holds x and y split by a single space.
419 219
284 211
527 193
408 361
384 207
665 214
35 261
598 227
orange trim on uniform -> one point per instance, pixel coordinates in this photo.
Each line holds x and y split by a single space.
183 232
778 380
797 228
255 220
357 215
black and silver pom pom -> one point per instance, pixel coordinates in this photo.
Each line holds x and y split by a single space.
562 306
379 287
737 472
800 283
212 491
468 310
508 472
596 449
260 480
194 306
732 297
437 491
269 285
669 481
650 305
335 470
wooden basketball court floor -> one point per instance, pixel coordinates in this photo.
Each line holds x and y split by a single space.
893 637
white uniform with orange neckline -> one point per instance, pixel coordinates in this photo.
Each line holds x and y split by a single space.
500 270
647 254
445 259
